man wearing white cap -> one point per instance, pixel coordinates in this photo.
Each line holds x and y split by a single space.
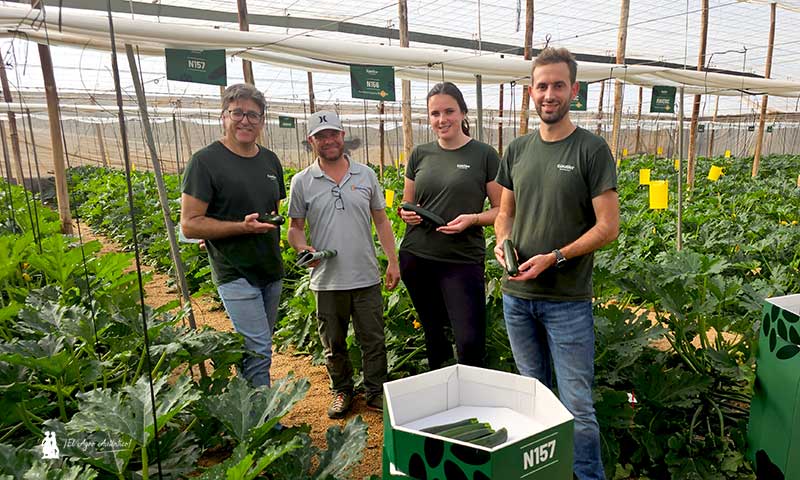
340 199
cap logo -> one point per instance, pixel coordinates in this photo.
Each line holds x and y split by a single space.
323 119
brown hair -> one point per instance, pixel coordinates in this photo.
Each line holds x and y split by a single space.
447 88
551 55
243 91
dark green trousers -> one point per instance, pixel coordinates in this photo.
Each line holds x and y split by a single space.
334 310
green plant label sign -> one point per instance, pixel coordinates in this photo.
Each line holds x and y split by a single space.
701 128
751 128
286 122
372 82
662 100
769 129
579 102
196 66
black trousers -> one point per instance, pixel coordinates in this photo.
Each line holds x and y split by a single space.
448 296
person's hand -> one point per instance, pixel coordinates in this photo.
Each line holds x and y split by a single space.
309 248
252 225
392 275
459 224
409 217
534 266
500 255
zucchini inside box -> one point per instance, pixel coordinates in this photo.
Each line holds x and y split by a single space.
540 429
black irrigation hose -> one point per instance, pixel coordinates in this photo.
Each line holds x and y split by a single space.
121 114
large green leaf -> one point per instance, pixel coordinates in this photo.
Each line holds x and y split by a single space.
250 412
345 447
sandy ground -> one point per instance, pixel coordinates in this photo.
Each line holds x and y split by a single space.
313 408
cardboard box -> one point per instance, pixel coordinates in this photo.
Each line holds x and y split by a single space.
773 434
540 429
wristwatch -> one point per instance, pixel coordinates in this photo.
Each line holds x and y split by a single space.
560 260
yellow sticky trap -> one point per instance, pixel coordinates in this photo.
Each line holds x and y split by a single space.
644 176
714 172
659 194
133 167
624 152
389 198
660 151
727 154
618 162
400 160
677 164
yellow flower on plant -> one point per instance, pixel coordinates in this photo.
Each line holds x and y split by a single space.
784 222
25 265
417 325
26 277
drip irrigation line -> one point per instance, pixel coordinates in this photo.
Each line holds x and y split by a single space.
131 211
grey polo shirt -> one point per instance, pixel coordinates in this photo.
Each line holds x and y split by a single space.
343 225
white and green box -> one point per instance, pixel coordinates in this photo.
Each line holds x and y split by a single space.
773 435
540 429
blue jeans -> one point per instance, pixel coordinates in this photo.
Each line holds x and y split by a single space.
541 331
253 312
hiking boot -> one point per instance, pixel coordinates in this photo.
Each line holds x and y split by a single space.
340 405
375 402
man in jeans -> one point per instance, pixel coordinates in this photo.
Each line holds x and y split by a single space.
559 204
340 199
226 186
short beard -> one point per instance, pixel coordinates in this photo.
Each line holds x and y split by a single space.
332 158
560 113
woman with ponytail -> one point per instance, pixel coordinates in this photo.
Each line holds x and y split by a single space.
443 267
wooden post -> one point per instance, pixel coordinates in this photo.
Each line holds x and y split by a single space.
312 106
679 225
187 139
524 111
408 139
51 92
244 26
479 101
711 128
763 117
381 133
701 61
639 121
101 144
12 125
500 123
622 38
162 191
600 108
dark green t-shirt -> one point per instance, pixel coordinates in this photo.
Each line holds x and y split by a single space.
450 183
235 186
553 184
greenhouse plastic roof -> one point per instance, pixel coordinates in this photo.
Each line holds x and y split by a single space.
658 30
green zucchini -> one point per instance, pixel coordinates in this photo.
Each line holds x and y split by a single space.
474 434
455 432
447 426
492 440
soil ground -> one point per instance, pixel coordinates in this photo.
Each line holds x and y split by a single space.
312 410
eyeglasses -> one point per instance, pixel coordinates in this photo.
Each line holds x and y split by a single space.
338 203
238 115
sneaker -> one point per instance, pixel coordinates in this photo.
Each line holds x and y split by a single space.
340 405
375 402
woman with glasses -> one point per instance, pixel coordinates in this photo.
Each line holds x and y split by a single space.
226 187
443 266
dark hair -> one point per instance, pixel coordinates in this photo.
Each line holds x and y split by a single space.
551 55
243 91
447 88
